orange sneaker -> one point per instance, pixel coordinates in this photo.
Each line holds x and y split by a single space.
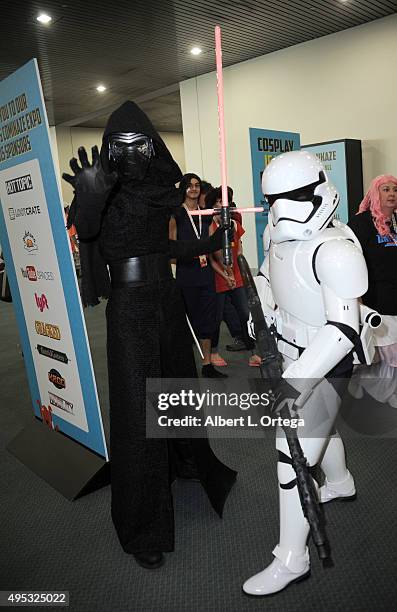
217 360
254 361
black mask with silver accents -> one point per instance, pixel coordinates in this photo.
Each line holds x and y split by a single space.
130 154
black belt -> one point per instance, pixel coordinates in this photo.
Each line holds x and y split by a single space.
140 270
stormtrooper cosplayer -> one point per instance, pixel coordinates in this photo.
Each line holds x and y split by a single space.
309 285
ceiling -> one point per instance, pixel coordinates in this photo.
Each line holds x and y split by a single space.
140 48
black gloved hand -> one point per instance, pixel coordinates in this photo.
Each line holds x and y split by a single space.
90 180
216 238
283 394
187 249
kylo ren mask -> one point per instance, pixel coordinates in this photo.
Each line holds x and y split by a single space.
130 154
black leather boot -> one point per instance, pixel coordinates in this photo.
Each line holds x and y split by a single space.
149 559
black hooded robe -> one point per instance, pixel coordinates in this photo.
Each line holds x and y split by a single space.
147 337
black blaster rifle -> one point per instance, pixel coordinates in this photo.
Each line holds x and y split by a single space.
271 369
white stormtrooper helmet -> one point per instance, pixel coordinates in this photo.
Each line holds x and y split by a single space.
301 198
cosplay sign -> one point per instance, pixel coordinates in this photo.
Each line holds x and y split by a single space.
266 144
40 267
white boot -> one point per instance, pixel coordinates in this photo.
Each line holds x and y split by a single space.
339 483
292 556
345 489
278 575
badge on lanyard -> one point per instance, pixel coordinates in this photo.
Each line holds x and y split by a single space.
203 261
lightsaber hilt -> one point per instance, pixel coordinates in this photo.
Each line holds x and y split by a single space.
226 242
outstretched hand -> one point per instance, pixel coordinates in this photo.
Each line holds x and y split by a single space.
90 178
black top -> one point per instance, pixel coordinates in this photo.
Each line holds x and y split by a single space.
380 254
189 272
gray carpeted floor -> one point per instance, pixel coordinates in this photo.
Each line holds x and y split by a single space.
48 543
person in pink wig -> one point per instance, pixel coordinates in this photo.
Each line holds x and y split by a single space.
375 226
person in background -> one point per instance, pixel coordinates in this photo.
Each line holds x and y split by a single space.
375 226
235 214
204 189
74 242
5 293
194 275
228 281
229 312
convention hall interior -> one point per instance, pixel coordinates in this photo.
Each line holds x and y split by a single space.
322 69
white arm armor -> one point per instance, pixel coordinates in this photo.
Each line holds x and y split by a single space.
370 320
342 274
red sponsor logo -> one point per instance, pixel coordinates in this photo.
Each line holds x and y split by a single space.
56 379
46 415
29 273
41 302
31 270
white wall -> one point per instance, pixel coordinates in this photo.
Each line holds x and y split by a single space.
339 86
68 140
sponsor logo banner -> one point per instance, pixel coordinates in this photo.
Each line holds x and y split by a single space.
47 329
33 275
52 353
56 379
16 185
29 273
29 243
36 248
25 211
41 302
60 402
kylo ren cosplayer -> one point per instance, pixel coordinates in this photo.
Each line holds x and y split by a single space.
121 210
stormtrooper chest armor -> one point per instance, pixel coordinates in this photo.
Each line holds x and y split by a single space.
296 290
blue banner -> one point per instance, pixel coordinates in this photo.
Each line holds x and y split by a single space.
40 267
266 144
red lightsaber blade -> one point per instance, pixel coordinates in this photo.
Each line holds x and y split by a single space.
225 213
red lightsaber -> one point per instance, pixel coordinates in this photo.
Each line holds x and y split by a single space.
225 211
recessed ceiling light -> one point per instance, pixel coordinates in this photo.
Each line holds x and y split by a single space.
44 18
196 51
101 88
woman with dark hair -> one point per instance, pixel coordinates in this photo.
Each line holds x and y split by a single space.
375 226
194 275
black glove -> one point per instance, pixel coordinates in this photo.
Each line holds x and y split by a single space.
215 241
187 249
92 188
90 180
283 394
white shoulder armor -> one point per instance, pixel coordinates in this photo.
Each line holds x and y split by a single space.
347 232
340 265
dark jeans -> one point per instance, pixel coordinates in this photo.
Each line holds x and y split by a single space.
231 319
238 298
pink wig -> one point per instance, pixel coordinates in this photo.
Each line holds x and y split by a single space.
371 202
